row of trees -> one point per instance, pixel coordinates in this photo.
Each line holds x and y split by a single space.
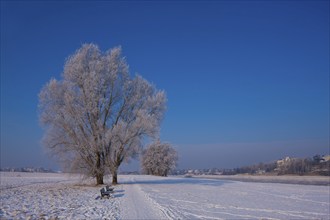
297 166
266 167
303 166
97 115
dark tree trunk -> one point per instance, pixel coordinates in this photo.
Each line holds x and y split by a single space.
114 177
99 174
99 179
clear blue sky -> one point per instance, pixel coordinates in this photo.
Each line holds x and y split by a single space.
247 81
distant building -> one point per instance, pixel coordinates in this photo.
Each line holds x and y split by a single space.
260 172
325 158
283 161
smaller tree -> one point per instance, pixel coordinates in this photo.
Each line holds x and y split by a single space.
159 159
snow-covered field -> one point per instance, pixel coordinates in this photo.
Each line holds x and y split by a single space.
302 180
35 195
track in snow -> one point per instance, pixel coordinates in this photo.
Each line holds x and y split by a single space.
134 202
186 198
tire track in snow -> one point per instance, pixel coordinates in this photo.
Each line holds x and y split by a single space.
167 212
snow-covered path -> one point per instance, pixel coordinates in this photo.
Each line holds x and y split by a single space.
134 203
52 196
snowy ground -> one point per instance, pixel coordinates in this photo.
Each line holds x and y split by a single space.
31 195
289 179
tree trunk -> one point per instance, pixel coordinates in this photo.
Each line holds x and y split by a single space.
114 177
99 174
99 179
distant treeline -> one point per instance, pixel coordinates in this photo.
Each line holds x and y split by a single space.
28 170
252 169
318 165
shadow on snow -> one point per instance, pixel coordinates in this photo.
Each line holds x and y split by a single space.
165 180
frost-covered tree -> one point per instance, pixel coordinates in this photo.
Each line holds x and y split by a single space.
159 159
96 116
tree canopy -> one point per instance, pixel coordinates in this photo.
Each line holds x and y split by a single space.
159 159
97 115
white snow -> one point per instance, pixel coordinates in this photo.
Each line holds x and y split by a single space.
290 179
49 196
35 195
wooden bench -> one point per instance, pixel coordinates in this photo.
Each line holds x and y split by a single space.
109 189
105 193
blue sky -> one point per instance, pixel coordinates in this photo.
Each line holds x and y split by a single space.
247 81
